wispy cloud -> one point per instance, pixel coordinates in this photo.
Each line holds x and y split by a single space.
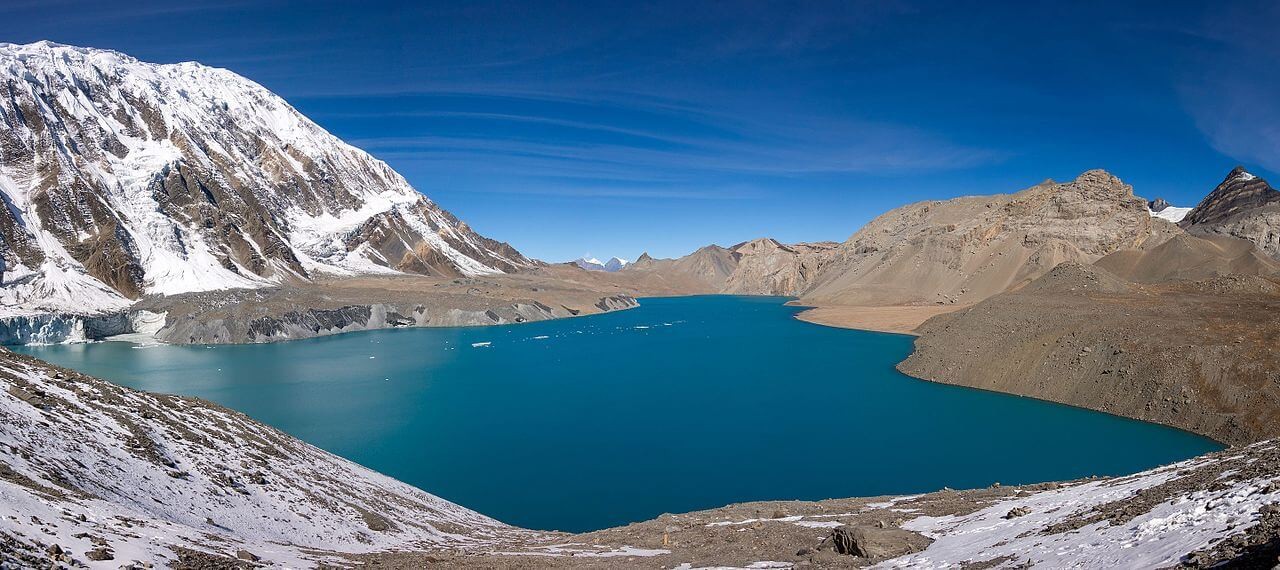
598 142
1232 91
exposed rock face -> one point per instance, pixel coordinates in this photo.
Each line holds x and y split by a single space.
313 322
1242 206
1158 205
758 267
354 304
122 178
766 267
1196 355
967 249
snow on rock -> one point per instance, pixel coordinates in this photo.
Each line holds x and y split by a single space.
88 465
616 264
124 178
1153 519
589 263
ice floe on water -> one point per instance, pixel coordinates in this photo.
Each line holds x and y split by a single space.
481 344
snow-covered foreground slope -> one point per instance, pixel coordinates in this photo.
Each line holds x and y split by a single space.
90 466
122 178
1197 512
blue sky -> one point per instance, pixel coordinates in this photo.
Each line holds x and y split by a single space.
615 128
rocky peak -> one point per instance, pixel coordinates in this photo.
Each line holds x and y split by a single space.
1236 195
1158 205
1242 206
1101 183
757 246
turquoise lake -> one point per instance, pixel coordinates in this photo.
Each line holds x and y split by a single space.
682 404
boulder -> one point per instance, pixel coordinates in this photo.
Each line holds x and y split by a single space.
878 543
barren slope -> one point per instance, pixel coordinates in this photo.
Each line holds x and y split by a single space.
1196 355
1188 256
967 249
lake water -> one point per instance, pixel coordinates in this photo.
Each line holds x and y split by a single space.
682 404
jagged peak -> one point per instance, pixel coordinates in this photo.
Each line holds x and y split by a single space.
1239 192
1239 173
51 50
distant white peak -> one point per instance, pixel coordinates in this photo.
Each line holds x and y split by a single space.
616 264
591 260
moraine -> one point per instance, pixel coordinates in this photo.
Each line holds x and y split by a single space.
681 404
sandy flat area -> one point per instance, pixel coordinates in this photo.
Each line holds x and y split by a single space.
895 319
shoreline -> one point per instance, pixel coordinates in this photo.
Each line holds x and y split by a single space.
867 318
897 319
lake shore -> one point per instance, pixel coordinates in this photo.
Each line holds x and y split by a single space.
900 319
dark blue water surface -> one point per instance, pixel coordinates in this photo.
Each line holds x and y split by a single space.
682 404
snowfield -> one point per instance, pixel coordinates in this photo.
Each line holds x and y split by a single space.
1172 213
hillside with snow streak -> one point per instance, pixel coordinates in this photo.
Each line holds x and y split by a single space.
123 178
90 466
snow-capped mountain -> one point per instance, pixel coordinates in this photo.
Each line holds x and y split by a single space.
592 264
615 264
589 263
123 178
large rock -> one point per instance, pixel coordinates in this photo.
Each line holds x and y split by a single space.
877 543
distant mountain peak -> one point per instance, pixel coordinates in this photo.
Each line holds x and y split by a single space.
592 264
1239 193
1241 173
615 264
1243 206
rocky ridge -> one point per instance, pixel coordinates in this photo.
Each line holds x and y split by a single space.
956 251
761 266
1242 206
967 249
